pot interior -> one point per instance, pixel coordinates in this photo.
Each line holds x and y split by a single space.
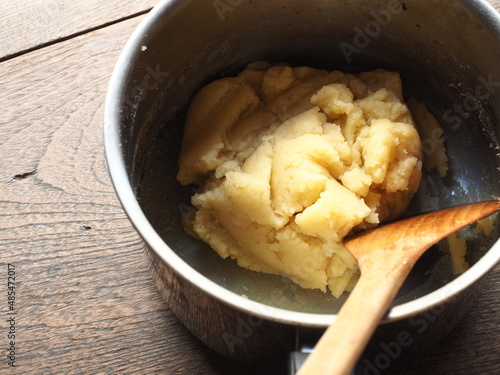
445 54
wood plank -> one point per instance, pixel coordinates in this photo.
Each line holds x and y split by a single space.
495 4
29 24
86 302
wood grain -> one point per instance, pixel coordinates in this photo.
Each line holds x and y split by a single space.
29 24
495 4
85 300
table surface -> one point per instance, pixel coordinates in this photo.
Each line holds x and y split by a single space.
84 300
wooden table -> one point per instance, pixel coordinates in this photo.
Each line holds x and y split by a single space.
84 301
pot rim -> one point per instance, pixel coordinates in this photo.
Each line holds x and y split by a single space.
122 185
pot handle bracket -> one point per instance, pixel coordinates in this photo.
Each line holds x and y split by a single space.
297 358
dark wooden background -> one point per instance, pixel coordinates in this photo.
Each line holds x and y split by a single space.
85 302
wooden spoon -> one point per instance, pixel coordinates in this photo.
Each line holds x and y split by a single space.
385 256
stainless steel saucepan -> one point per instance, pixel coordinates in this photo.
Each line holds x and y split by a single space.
447 52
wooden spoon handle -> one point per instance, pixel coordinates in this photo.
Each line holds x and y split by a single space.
338 350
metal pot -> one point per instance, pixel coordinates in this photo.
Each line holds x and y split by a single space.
447 53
